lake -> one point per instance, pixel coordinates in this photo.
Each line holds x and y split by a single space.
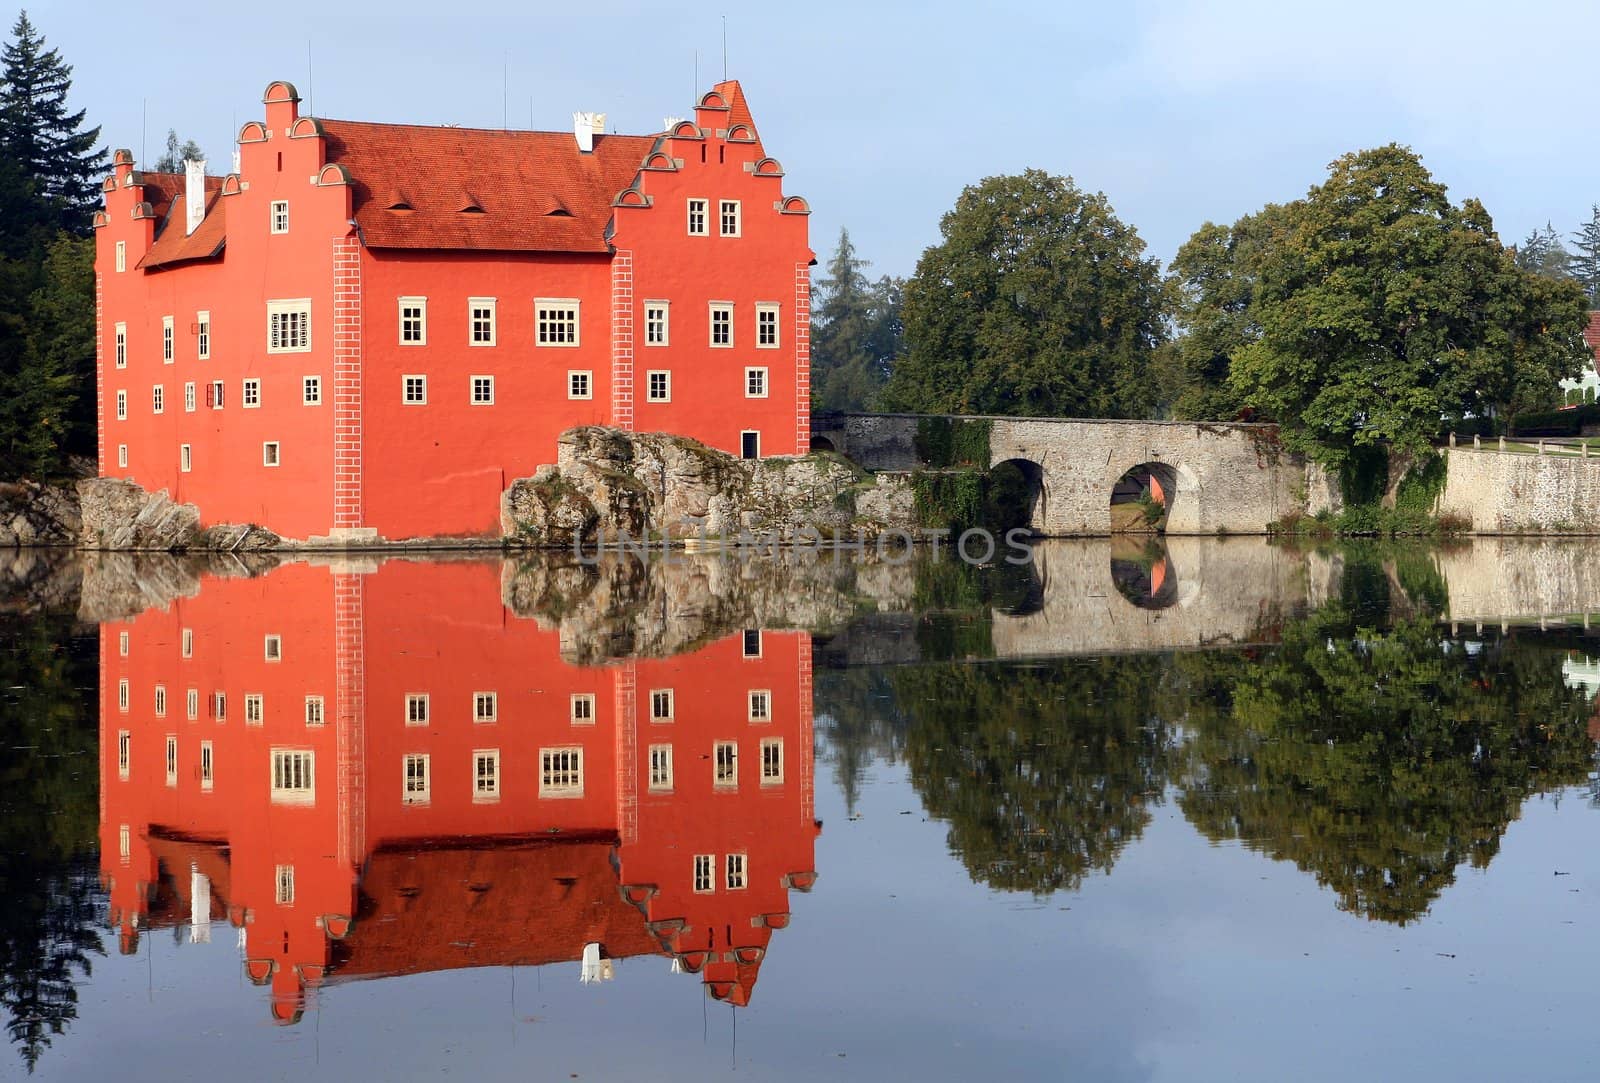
1201 809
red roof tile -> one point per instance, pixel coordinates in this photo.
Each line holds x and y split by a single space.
164 193
738 108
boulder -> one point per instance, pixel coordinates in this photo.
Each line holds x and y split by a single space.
119 515
33 513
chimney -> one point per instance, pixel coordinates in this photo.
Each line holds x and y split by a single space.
585 126
194 194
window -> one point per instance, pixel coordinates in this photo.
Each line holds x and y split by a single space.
702 872
771 761
206 775
658 385
191 704
755 383
417 787
561 772
761 706
172 760
557 322
480 321
283 878
661 768
124 752
122 456
122 406
121 349
656 325
311 391
413 321
293 776
122 256
767 327
314 711
752 643
161 701
122 695
166 340
202 335
214 395
272 648
122 644
269 453
728 217
583 708
721 323
726 766
186 642
250 397
735 872
124 843
289 326
697 218
580 384
483 391
254 709
485 707
219 706
158 396
188 397
661 705
486 774
417 709
414 390
280 216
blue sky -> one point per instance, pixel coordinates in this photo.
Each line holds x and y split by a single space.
881 112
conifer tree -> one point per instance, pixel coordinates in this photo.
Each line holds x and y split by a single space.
177 152
856 332
1586 256
41 136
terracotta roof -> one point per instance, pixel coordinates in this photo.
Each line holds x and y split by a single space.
1591 335
738 108
537 192
164 193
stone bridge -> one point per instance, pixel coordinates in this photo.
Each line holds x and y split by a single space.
1216 478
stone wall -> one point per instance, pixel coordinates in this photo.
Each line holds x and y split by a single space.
1511 493
32 513
1520 579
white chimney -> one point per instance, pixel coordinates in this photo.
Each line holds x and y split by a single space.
585 126
194 193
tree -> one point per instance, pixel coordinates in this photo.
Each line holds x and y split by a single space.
856 333
1543 253
1585 258
176 153
38 133
1039 301
61 354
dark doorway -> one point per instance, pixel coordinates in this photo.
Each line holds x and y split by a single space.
750 445
1013 495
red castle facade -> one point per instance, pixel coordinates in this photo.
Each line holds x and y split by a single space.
390 773
368 330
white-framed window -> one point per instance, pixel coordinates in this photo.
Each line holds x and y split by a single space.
755 383
416 708
480 321
207 772
725 764
202 336
219 706
188 397
561 772
280 216
417 786
311 390
661 768
697 218
122 256
255 709
270 453
414 390
124 753
172 760
751 646
122 456
486 774
272 648
120 350
658 385
413 321
250 394
186 643
283 885
122 406
483 390
583 708
122 695
771 761
580 384
185 458
294 776
485 707
215 393
728 217
735 868
704 865
760 705
166 340
289 326
661 705
315 715
191 704
556 321
721 323
767 326
124 843
161 701
657 323
122 644
158 399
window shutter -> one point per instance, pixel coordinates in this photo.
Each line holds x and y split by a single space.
211 398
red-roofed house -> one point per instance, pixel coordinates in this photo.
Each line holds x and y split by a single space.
1577 392
369 330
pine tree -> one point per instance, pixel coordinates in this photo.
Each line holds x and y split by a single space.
1586 256
856 332
40 136
1544 254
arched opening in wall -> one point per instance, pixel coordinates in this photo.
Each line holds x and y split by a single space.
1143 573
822 443
1141 499
1013 496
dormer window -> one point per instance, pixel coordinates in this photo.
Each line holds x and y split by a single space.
280 216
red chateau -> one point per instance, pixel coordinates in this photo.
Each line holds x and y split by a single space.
368 330
382 774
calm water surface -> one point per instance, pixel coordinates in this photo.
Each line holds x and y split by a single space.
1210 810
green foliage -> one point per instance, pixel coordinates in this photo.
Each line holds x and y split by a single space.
856 333
41 137
948 441
1556 422
948 499
1038 302
1543 253
178 152
1584 263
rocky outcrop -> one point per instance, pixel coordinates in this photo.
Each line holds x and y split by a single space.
32 513
119 515
38 579
611 483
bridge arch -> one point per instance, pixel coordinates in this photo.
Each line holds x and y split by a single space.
1015 495
1154 497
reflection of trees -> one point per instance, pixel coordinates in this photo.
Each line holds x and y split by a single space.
858 719
48 813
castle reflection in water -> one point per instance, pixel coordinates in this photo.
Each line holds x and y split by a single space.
391 773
